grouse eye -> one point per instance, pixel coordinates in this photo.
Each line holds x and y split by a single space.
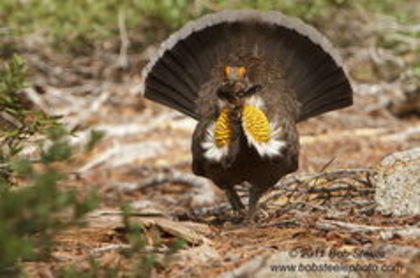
235 73
228 71
241 72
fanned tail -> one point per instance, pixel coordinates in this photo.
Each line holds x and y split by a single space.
307 62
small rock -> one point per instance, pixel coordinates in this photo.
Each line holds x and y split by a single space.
198 255
406 100
398 183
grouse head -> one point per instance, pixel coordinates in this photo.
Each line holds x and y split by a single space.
236 87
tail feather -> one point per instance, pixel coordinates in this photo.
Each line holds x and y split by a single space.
170 96
184 76
323 80
193 45
323 88
268 41
183 58
323 104
174 75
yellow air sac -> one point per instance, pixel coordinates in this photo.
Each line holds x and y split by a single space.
223 129
256 124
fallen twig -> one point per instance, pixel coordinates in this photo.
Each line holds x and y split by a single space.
352 227
204 193
111 247
122 58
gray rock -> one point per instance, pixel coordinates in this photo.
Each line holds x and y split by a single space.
404 100
398 183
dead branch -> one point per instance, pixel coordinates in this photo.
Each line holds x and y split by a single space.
173 177
92 109
204 193
122 59
124 154
112 247
10 119
400 251
176 177
352 227
380 134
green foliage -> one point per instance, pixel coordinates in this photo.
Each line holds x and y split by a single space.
82 24
33 205
32 213
308 10
95 270
29 218
58 147
17 121
146 261
78 24
12 79
95 137
140 259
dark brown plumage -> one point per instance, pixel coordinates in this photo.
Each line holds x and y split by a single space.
248 77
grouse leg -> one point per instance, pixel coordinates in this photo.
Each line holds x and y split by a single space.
255 194
234 199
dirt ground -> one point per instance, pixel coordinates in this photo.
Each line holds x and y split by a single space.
145 160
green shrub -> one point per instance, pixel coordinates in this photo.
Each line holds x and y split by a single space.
80 25
33 207
140 259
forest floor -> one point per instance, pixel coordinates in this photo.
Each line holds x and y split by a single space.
145 160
